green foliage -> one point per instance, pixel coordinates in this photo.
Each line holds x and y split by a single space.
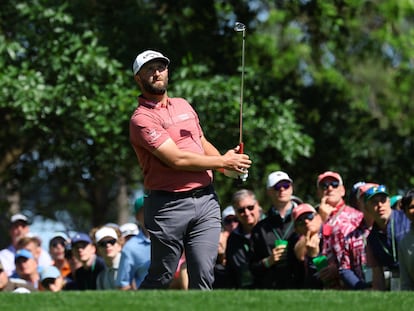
328 85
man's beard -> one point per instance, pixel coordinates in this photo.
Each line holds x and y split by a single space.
154 89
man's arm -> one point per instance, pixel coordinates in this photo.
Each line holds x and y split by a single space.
170 154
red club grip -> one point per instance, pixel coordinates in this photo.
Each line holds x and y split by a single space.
241 147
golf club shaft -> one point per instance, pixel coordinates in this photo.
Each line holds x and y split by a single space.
240 27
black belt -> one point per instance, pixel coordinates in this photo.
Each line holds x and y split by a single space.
194 193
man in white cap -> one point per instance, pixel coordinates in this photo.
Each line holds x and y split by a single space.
273 238
20 228
182 212
109 245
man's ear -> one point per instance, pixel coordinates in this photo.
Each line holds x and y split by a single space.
137 79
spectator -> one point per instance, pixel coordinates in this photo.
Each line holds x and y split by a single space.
389 227
353 195
406 245
51 279
7 285
309 247
135 254
128 230
395 201
33 244
19 228
180 280
182 212
57 248
109 242
354 269
338 219
85 252
229 223
239 247
26 268
274 264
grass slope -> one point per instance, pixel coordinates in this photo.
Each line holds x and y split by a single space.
213 300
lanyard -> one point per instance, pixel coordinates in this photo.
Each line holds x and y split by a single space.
332 220
285 234
394 253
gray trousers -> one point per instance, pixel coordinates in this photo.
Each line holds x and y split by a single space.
178 223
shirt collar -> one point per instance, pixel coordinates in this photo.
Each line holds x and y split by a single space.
150 104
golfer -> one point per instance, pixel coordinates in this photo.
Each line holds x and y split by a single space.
181 210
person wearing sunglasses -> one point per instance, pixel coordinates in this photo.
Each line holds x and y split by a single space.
274 262
84 251
339 219
109 242
389 227
309 247
239 247
51 279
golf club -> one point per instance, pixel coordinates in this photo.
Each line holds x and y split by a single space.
240 27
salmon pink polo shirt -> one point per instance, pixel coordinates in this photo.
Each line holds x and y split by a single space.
150 126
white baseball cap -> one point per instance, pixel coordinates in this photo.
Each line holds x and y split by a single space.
129 229
228 211
145 57
276 177
19 217
105 232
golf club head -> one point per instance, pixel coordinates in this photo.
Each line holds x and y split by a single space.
239 27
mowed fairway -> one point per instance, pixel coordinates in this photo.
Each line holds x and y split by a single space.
213 300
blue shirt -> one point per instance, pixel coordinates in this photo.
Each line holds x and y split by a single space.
135 261
384 244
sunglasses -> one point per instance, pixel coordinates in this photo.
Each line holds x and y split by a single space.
325 185
229 220
301 221
242 210
47 282
58 242
285 185
103 244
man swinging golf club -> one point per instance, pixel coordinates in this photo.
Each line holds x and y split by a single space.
181 208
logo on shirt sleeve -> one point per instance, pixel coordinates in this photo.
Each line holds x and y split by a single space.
153 135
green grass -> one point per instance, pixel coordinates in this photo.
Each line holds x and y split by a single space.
216 300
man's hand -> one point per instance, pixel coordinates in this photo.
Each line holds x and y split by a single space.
279 255
325 209
234 161
312 244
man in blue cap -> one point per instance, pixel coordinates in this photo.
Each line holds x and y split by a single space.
26 267
85 251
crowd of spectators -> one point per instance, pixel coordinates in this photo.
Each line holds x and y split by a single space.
363 242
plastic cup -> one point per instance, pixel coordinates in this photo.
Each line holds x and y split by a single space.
320 262
281 242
